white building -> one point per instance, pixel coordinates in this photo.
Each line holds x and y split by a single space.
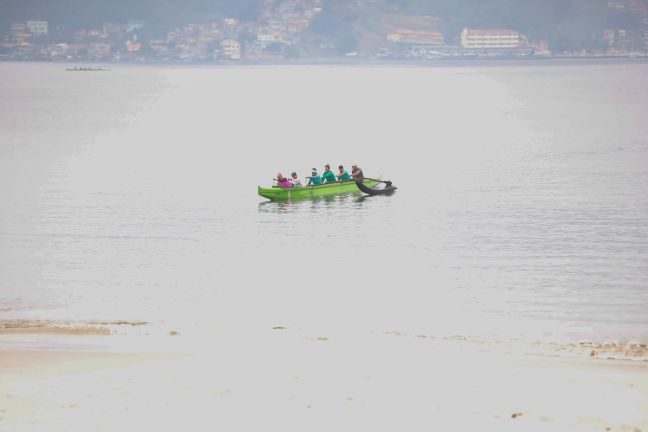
490 38
231 49
37 27
134 25
412 37
100 50
266 38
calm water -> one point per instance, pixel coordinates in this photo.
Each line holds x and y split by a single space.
522 208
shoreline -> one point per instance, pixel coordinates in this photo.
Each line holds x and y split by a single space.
455 61
312 382
123 331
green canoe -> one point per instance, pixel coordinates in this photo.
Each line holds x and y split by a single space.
87 69
277 193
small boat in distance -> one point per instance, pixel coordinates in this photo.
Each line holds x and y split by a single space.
277 193
86 69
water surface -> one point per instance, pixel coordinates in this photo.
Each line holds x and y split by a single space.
522 208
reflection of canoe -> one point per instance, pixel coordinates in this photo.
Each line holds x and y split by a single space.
280 194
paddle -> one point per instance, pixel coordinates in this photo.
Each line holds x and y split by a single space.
372 179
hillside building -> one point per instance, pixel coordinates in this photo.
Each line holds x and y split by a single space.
231 49
413 37
133 46
100 50
19 33
266 38
17 28
132 26
608 37
490 39
37 28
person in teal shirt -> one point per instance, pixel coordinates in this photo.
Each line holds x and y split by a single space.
314 179
328 175
343 175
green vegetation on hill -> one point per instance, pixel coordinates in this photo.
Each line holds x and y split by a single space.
159 14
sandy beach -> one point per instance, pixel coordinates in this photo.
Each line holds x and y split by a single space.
283 379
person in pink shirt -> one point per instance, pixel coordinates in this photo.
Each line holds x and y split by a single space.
283 181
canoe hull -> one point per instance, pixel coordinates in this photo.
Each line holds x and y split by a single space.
308 192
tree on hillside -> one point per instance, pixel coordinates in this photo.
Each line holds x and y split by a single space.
336 25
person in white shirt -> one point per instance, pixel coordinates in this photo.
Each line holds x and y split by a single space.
296 182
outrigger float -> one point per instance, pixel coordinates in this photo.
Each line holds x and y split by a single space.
387 190
277 193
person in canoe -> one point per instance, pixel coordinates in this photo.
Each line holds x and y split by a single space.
343 175
283 181
296 182
314 178
327 175
356 173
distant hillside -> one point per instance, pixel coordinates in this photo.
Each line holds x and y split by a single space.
345 25
566 24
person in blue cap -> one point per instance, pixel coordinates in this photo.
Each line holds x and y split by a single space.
314 178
